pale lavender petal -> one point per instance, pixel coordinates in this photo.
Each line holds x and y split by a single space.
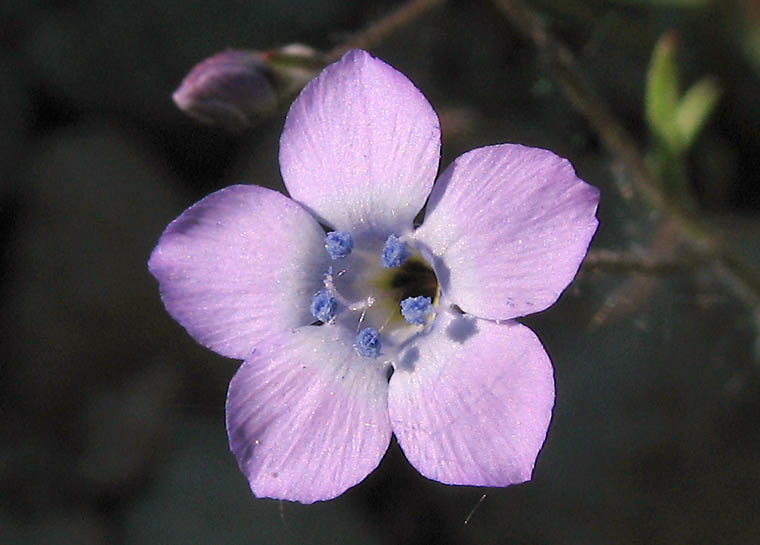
360 147
470 403
508 227
240 264
307 417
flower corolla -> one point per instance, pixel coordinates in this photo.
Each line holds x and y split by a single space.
377 327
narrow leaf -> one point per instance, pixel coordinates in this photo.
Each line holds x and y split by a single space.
695 107
661 97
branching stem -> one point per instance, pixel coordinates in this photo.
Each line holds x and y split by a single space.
736 273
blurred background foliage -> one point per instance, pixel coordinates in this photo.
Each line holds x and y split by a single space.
114 418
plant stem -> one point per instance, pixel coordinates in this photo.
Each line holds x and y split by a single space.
396 19
624 262
731 267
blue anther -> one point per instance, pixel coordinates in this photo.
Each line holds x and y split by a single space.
368 342
338 244
415 309
395 252
323 306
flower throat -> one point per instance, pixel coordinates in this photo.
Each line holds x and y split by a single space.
388 292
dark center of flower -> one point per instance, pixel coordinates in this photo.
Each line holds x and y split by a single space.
415 277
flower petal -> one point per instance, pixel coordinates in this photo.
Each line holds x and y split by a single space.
307 417
360 147
508 227
238 265
471 402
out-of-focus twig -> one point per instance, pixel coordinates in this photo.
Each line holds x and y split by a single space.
641 282
739 275
398 18
626 262
582 94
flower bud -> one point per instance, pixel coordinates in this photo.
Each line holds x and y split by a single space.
236 88
231 89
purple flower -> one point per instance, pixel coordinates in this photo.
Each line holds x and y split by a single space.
322 320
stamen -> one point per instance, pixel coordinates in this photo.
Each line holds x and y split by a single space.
323 306
395 252
387 321
329 282
368 342
416 309
338 244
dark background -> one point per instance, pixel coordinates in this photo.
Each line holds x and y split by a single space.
113 418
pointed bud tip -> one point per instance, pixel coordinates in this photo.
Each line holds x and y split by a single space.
230 89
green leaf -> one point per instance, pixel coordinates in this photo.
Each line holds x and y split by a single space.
695 107
661 95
